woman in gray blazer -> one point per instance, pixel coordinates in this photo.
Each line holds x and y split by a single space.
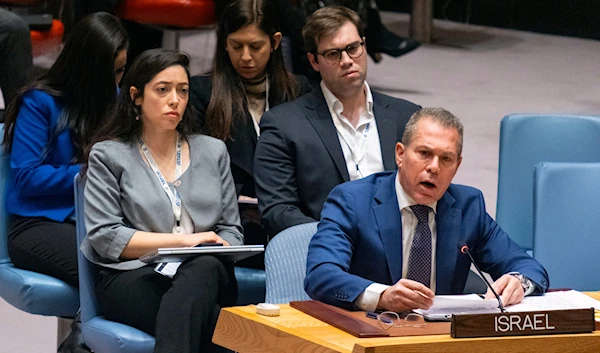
151 185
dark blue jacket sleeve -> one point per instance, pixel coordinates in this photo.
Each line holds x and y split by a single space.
497 254
330 253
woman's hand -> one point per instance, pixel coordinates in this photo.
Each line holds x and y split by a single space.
247 199
204 237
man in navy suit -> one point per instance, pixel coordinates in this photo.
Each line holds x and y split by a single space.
340 131
375 249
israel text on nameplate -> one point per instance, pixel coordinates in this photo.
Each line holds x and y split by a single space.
523 323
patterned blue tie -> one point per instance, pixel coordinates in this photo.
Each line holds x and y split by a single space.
419 261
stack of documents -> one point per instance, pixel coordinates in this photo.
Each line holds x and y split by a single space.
444 306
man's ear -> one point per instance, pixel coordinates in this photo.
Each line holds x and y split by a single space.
399 154
275 41
313 62
132 93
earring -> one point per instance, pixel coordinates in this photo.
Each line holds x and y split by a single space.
137 117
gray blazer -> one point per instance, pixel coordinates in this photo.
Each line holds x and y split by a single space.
122 196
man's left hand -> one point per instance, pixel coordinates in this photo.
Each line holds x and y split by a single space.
509 289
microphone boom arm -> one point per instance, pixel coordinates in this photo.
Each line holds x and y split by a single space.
465 250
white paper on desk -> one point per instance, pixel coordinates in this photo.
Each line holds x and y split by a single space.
564 300
444 306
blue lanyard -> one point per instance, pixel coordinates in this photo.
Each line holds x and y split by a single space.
174 198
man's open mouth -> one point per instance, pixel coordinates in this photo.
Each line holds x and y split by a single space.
428 184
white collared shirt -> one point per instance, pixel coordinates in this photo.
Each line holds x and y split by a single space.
369 299
360 145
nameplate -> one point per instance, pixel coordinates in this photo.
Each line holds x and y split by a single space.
523 323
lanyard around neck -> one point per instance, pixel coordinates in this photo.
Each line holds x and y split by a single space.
174 198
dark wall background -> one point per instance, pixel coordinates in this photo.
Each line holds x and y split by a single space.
577 18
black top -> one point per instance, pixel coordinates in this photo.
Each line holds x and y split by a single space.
242 142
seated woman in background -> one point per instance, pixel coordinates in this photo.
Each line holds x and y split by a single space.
48 124
151 184
248 78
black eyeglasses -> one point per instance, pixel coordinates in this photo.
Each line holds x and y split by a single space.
334 56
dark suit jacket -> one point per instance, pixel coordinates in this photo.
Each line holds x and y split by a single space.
299 158
359 241
243 139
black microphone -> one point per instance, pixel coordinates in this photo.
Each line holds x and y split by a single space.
465 250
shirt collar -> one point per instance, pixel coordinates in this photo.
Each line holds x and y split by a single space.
404 200
337 107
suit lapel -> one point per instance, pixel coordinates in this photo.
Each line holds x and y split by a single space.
389 223
447 248
318 114
386 126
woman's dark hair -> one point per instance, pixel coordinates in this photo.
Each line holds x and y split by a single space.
121 123
228 98
83 77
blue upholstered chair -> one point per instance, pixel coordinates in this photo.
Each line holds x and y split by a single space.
104 336
99 334
566 236
285 263
528 139
31 292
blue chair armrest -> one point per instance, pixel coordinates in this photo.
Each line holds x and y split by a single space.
102 335
36 293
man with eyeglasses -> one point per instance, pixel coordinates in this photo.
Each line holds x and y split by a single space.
340 131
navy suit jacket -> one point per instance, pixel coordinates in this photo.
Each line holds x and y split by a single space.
299 159
359 242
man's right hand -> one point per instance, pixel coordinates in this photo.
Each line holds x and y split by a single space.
406 295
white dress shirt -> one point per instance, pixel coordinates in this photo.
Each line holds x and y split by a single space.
360 144
369 299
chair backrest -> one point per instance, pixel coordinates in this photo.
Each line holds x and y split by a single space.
528 139
90 307
4 172
566 234
285 264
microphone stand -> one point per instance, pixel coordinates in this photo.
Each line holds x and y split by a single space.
465 250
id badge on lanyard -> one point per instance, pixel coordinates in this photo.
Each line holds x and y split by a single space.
173 197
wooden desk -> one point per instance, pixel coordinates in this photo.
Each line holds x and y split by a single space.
242 330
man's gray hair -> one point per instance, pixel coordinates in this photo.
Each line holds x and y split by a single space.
440 116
